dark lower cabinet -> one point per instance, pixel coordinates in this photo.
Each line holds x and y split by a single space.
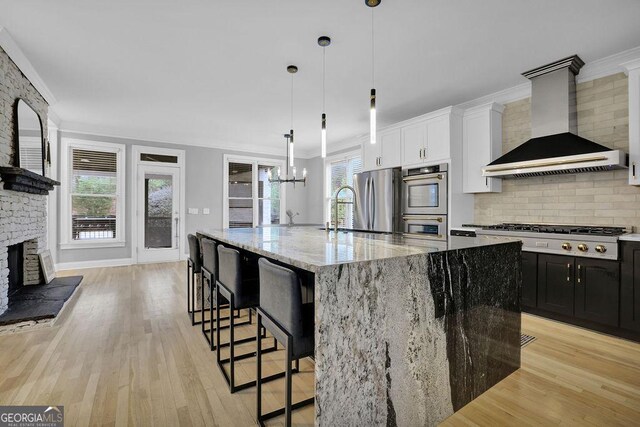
529 279
630 287
598 294
555 283
597 290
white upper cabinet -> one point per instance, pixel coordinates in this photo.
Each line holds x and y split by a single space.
370 155
423 140
386 153
481 144
438 141
427 139
414 143
633 71
390 149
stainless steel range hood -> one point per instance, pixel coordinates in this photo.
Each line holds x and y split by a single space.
554 147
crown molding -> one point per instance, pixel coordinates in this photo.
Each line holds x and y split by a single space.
18 57
608 65
68 127
504 96
629 66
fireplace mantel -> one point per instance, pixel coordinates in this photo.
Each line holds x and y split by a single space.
18 179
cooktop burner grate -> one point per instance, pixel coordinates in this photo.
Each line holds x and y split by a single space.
559 229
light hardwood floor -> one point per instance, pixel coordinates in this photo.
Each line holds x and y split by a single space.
124 352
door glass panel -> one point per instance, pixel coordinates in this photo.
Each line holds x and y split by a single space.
268 198
423 196
240 213
158 215
423 229
240 195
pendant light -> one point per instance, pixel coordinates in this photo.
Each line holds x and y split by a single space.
372 97
323 41
292 69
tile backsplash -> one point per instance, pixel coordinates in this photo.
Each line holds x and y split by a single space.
598 198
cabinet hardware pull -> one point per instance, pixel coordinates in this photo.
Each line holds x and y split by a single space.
486 182
568 272
633 170
579 272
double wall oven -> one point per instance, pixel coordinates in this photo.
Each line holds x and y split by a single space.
424 202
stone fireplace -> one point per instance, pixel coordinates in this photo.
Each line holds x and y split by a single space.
23 216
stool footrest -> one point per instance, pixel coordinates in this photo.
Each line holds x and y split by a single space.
280 411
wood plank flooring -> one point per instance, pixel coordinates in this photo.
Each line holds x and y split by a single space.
125 353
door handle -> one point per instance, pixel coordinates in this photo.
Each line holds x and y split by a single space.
368 191
579 272
568 272
373 203
421 218
177 234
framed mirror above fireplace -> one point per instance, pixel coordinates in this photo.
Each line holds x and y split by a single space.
29 139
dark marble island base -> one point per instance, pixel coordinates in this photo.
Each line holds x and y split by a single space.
407 331
407 341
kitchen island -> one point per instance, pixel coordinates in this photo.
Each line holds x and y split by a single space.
406 331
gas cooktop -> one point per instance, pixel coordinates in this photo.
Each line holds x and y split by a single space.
559 229
576 240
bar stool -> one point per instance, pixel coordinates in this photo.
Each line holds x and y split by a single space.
194 264
290 321
242 292
209 272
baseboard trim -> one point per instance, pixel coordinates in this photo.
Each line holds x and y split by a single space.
118 262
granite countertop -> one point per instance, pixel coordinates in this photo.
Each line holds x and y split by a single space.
310 248
635 237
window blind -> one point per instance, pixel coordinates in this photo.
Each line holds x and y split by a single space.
94 161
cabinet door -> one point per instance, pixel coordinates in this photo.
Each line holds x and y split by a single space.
438 139
391 149
481 144
529 279
370 155
413 138
630 287
556 283
597 290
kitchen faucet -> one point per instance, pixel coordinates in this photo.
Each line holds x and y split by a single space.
344 187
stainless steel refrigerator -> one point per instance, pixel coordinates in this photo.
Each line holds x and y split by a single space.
377 200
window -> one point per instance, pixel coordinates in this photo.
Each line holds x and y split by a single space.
92 190
338 172
250 199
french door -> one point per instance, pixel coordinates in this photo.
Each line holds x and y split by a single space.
158 213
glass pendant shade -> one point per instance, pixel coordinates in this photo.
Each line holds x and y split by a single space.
291 162
372 120
324 135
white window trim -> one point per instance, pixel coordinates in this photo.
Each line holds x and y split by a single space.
66 170
325 178
232 158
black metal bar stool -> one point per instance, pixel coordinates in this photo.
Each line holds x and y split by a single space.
290 321
194 268
209 274
242 292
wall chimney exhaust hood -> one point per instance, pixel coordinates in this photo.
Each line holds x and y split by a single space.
554 147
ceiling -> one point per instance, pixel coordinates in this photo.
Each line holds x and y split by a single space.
214 72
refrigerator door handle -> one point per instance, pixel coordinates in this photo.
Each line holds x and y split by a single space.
373 204
369 221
